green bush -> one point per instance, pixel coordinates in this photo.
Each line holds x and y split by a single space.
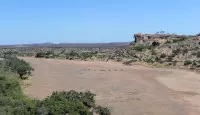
102 111
40 55
157 59
48 54
87 55
170 58
149 60
187 62
180 40
72 55
194 63
153 52
18 66
9 86
175 52
142 47
163 55
155 43
129 62
198 54
67 103
168 41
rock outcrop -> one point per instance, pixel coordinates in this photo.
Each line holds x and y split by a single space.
161 38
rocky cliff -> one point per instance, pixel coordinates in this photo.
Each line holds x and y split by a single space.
161 38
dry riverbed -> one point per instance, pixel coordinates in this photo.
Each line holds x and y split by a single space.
126 90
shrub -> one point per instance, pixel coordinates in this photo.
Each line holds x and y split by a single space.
174 63
175 52
86 55
168 41
40 55
129 62
102 111
157 59
142 47
180 40
169 58
48 54
72 55
194 53
153 52
149 60
18 66
185 51
194 64
155 43
187 62
198 54
71 102
163 55
9 86
24 69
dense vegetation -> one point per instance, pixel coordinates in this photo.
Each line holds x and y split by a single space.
71 55
18 66
14 102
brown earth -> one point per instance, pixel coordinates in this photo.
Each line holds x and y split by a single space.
126 90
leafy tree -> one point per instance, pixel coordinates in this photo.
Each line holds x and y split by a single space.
19 66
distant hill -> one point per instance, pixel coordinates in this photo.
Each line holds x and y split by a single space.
70 45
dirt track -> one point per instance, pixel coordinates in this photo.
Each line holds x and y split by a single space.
126 90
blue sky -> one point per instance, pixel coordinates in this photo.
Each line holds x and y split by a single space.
37 21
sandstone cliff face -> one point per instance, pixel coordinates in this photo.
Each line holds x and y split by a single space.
161 38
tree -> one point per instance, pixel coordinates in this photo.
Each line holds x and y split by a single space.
23 70
19 66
